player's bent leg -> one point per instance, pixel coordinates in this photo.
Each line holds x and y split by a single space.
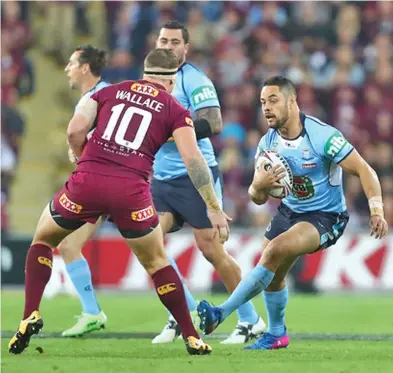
149 250
250 325
276 299
92 317
302 238
171 330
38 271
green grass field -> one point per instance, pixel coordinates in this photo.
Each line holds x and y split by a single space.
334 316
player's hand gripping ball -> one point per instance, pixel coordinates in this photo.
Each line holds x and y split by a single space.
270 158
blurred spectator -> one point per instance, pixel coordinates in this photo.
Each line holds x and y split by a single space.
343 70
12 130
17 32
59 36
201 31
11 69
121 68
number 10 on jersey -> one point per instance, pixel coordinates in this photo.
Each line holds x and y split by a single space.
144 124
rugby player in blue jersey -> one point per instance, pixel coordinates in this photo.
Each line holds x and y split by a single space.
84 73
313 217
175 197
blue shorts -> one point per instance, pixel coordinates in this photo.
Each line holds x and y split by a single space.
330 225
179 197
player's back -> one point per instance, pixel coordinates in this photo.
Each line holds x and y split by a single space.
134 119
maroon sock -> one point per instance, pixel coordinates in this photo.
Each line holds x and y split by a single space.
171 293
38 272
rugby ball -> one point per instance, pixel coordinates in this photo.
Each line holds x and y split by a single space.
270 158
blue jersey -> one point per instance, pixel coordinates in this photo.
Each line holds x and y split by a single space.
194 90
101 84
313 157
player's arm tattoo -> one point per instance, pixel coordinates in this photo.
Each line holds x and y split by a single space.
199 174
208 122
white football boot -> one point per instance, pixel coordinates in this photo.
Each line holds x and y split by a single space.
244 332
172 330
86 324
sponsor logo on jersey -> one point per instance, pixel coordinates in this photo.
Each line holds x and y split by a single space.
309 165
145 89
204 93
167 288
303 188
45 261
189 121
69 205
335 144
142 215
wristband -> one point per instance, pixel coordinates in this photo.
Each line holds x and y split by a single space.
376 205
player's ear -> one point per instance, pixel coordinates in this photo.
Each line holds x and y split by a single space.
186 47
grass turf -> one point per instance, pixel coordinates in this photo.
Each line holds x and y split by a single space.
144 313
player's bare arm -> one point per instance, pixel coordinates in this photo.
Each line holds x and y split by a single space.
263 181
356 165
208 122
199 173
80 125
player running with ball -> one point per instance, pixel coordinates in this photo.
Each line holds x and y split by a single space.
312 218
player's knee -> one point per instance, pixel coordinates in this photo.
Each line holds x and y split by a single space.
153 263
275 252
208 248
69 251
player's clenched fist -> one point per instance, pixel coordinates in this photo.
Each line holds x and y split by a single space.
220 221
379 226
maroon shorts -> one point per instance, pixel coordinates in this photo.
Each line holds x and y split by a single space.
87 196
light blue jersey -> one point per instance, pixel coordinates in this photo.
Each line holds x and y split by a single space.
313 157
194 90
101 84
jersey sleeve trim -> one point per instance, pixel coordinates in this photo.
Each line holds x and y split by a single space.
346 155
208 107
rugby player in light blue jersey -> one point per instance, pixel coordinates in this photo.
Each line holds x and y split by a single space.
313 217
84 73
175 197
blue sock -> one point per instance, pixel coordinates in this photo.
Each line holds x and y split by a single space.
256 281
275 302
80 275
191 302
246 313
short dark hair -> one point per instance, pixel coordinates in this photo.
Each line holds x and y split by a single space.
163 58
176 25
282 83
94 57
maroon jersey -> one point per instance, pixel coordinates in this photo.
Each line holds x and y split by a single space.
134 119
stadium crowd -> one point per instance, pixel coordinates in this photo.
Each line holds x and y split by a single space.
338 54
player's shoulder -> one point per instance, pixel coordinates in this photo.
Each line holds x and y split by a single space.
189 68
267 140
325 138
315 126
191 73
